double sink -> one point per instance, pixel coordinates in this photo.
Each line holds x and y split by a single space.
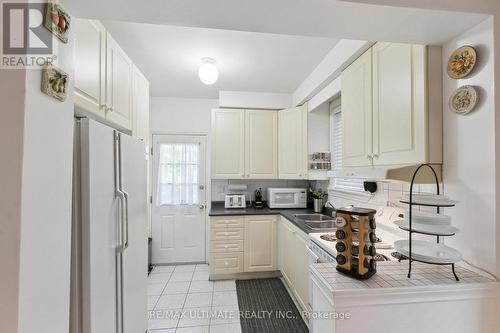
317 222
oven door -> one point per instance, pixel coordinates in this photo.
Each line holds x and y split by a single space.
313 259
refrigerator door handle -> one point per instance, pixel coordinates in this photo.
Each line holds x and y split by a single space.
118 192
125 196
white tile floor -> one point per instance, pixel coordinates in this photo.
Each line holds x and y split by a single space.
181 299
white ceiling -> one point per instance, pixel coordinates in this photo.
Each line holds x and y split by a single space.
327 18
270 59
169 56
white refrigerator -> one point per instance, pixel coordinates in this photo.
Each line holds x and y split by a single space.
109 258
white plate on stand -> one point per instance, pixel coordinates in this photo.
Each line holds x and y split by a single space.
433 253
422 217
430 229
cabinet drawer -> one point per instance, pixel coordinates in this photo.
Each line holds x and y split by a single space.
226 234
226 263
228 222
226 246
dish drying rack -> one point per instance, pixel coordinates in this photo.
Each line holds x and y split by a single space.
411 231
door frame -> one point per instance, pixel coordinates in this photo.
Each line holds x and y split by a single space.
208 181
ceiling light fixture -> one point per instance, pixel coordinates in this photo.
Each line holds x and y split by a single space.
207 72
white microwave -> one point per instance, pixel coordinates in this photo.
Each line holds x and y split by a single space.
282 197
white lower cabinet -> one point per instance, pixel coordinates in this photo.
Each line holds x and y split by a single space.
241 244
322 303
294 260
226 263
260 243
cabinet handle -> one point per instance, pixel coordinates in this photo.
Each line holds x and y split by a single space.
369 155
374 155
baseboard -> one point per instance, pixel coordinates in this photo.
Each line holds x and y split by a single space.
244 276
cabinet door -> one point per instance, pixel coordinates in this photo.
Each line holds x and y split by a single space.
357 112
282 253
301 263
118 85
140 104
399 105
287 256
292 140
90 66
261 144
228 144
260 243
322 303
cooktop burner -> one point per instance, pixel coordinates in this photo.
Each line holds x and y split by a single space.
328 238
380 257
399 256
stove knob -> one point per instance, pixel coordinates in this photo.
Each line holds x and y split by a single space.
372 251
373 224
373 237
340 246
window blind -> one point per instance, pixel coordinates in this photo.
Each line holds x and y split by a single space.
348 185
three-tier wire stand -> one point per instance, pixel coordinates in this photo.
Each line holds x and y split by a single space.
411 231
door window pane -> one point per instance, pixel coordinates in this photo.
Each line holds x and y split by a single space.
178 178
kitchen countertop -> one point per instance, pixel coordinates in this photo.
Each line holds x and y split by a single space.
219 210
393 274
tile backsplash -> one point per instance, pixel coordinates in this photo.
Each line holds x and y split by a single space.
220 187
388 194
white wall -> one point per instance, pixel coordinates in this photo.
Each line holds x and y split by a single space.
37 238
254 100
44 284
318 124
341 55
181 115
11 149
469 154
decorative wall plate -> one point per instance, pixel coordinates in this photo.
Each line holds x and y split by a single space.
54 82
461 62
57 20
463 100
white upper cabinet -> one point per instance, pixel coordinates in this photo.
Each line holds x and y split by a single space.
118 85
108 86
228 144
261 144
292 143
244 144
140 105
90 59
391 106
356 108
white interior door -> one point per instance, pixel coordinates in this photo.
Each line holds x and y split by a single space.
179 213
